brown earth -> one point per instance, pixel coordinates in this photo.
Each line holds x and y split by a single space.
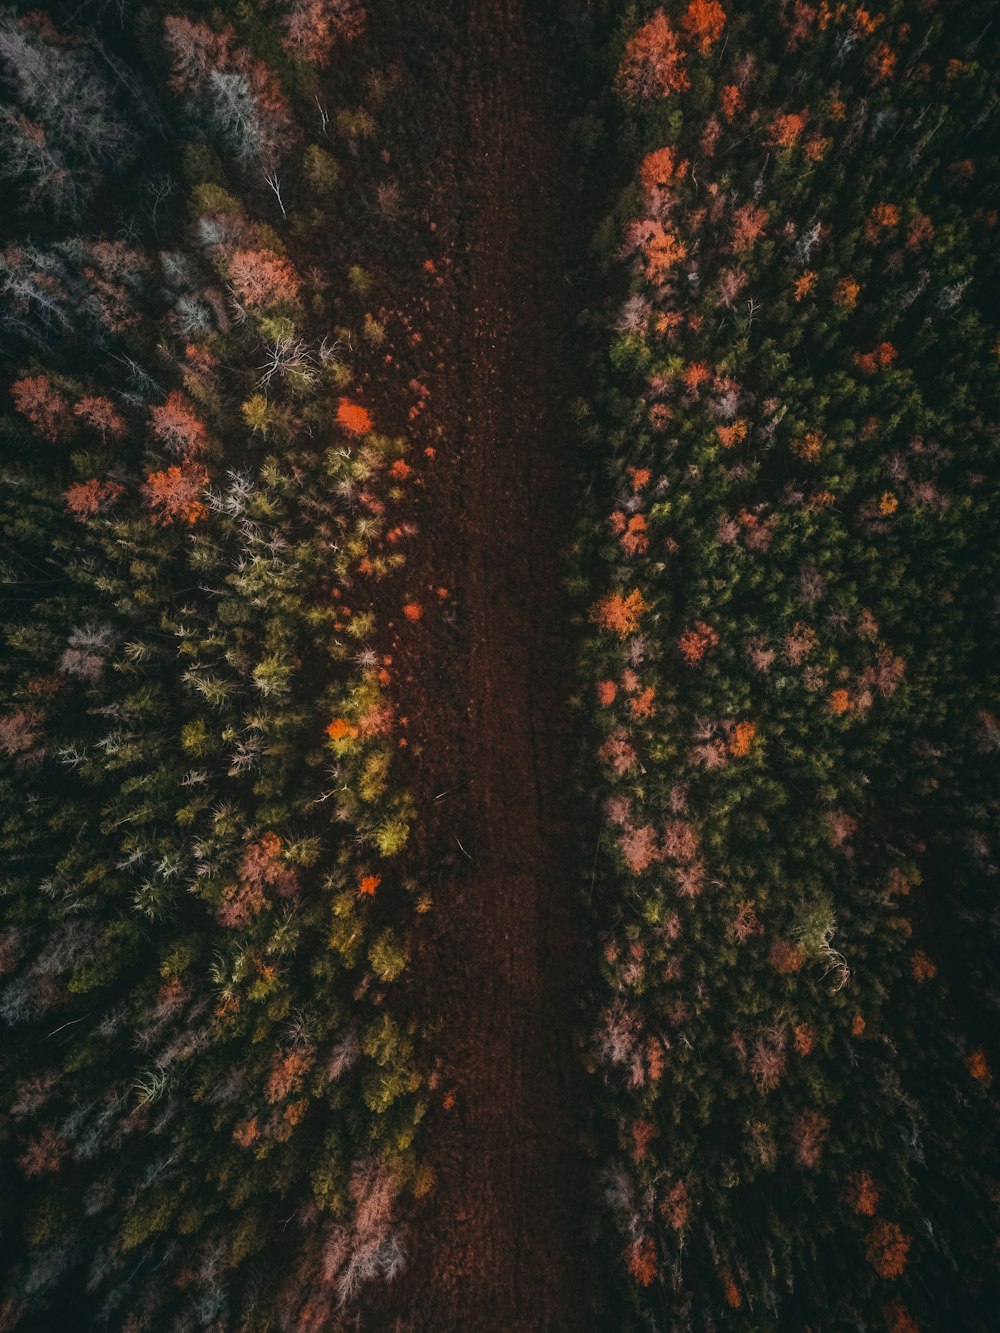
499 960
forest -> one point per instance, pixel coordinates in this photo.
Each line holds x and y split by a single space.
499 689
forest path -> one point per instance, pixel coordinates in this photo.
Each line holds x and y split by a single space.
499 961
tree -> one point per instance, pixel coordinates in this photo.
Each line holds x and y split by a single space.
174 495
177 428
353 418
84 499
101 415
653 63
59 86
749 222
246 109
46 409
703 21
312 28
661 169
620 613
662 250
887 1247
44 1154
263 279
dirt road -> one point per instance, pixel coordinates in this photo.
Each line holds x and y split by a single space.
500 960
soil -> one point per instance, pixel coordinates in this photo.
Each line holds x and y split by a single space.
499 962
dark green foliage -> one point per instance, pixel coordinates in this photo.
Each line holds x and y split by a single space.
208 1110
797 422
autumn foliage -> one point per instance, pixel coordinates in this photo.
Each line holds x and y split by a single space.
703 22
262 278
45 408
802 361
198 741
653 63
620 613
175 494
241 99
84 499
695 642
312 29
353 418
176 427
215 1104
886 1248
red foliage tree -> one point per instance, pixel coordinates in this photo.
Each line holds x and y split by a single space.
45 408
703 21
730 1291
746 923
676 1206
263 863
44 1154
640 1257
809 1131
288 1070
661 169
101 415
620 613
84 499
882 218
694 643
731 100
662 250
978 1066
768 1058
680 840
176 427
862 1194
653 63
787 128
262 278
696 374
881 64
898 1319
880 358
887 1247
241 903
261 867
805 1038
617 752
353 418
20 732
313 27
786 956
749 222
174 495
638 847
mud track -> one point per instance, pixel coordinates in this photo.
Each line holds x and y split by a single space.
499 960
